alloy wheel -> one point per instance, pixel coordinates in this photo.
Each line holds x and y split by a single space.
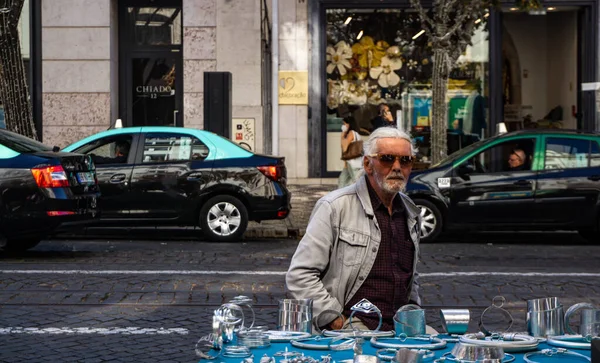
428 221
224 218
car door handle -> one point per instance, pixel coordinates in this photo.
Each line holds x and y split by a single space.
594 177
118 179
194 177
522 183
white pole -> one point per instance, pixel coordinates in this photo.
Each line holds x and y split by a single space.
275 78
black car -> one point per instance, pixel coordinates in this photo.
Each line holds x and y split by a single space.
41 190
524 180
184 177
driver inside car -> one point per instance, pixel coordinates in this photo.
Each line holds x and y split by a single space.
121 153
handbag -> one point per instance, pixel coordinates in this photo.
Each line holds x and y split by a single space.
354 150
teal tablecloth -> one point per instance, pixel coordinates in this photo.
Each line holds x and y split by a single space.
368 349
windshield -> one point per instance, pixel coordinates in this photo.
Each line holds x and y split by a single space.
459 153
20 143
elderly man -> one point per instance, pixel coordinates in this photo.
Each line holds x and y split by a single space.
362 241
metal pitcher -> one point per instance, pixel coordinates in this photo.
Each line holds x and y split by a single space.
295 315
410 320
545 317
589 319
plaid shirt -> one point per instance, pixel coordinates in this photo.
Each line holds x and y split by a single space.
386 286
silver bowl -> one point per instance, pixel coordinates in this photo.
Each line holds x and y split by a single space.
471 352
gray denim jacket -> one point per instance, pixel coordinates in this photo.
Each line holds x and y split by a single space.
339 248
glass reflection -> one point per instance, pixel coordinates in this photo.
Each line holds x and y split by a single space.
382 56
156 26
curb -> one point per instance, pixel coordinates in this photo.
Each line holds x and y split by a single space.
266 232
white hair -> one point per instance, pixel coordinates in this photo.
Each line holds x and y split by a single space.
386 132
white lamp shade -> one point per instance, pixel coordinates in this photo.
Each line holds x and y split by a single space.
501 128
118 124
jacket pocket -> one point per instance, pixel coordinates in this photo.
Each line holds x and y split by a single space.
353 247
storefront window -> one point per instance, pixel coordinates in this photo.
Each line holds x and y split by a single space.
382 56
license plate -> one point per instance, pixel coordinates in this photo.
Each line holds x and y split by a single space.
85 178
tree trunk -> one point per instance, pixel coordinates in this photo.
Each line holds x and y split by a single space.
13 81
439 121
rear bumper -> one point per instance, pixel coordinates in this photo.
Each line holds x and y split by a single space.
276 206
41 219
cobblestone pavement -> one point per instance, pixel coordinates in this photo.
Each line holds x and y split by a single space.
171 288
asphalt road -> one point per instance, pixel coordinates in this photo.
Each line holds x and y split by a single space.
149 295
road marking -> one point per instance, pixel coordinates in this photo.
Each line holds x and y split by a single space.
101 331
282 273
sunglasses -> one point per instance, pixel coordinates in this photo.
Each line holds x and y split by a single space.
390 159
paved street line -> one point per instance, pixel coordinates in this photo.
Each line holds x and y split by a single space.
282 273
101 331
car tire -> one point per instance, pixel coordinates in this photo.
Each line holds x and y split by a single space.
21 245
223 219
431 220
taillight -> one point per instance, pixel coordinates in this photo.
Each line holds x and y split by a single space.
50 176
271 172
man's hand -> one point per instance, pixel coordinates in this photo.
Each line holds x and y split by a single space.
337 324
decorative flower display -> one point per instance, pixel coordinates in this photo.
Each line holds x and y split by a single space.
369 53
339 57
385 75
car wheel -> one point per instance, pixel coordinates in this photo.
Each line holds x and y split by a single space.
21 245
431 220
223 218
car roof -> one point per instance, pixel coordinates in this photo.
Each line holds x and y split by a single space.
221 146
553 131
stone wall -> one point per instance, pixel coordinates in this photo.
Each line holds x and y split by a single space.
75 69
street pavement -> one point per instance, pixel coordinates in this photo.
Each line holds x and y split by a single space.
303 200
127 300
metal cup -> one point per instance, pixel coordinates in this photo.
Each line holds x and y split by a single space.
410 322
455 321
546 303
589 319
295 315
544 323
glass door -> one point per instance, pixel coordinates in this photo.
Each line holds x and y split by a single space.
155 91
151 62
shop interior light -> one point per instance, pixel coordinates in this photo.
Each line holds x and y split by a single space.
486 15
514 9
478 21
418 34
348 20
551 8
360 34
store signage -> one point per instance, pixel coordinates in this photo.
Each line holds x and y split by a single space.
293 88
154 91
242 132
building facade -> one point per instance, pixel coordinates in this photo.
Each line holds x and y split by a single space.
143 61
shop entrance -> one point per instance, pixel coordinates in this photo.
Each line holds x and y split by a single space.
150 58
540 62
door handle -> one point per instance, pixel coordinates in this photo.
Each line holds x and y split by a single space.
594 177
522 183
194 177
175 112
118 179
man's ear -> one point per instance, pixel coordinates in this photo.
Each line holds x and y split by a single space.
367 165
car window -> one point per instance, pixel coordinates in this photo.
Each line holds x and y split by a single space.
595 154
21 144
173 147
509 156
108 150
566 153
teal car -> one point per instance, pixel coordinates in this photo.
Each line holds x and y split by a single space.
181 176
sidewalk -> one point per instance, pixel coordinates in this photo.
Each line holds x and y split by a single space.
304 198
